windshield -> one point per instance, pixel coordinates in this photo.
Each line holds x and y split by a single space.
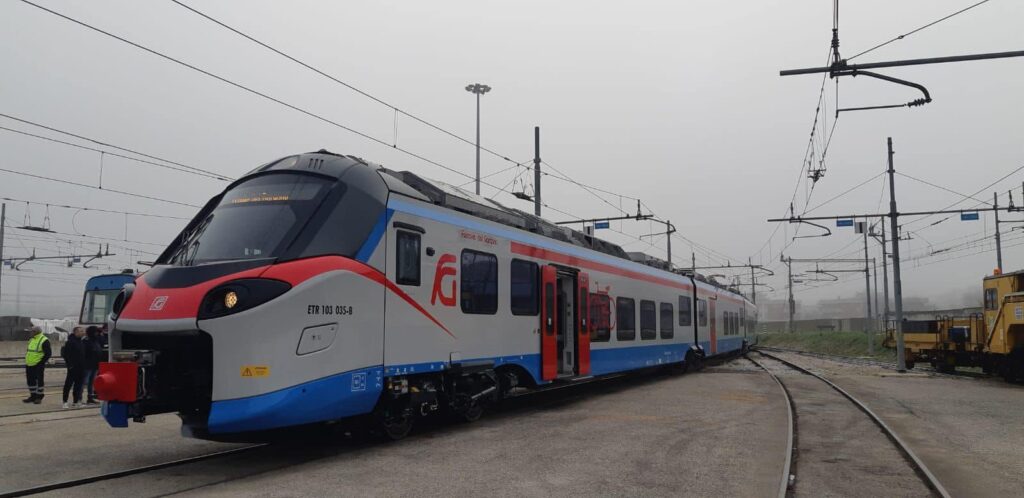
96 306
256 219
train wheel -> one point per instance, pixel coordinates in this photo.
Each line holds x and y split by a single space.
473 413
398 427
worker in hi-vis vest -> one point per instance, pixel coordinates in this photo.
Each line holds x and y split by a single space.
35 364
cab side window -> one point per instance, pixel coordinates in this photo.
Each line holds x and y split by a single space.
407 258
990 299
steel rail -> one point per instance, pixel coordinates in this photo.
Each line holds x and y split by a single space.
791 429
124 473
877 363
920 468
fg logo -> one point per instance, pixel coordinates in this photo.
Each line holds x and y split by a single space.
445 269
158 303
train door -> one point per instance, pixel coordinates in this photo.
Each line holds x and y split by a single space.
713 322
548 323
566 327
583 325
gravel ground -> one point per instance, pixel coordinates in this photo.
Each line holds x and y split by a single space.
839 450
967 431
715 433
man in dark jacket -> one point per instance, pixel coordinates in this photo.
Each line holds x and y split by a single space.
73 353
93 357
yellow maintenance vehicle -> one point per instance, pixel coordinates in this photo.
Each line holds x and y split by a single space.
992 340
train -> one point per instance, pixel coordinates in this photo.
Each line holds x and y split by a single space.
99 295
321 287
992 340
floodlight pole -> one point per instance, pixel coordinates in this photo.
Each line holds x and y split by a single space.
478 89
869 322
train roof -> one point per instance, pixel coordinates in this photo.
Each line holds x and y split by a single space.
452 197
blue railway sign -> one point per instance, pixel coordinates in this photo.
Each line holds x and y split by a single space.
602 224
844 223
969 216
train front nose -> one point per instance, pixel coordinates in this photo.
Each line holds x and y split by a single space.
157 372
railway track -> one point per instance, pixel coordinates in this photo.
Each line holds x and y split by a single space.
790 475
876 363
71 483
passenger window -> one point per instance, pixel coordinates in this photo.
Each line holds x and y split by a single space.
667 321
525 278
407 258
685 312
648 320
625 318
702 313
600 318
479 281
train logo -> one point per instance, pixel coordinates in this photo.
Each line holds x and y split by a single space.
158 303
445 268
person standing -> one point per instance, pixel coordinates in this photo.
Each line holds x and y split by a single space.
73 353
93 357
36 356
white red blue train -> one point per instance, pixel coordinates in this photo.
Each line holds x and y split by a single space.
321 287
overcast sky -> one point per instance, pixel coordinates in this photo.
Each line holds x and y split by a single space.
676 103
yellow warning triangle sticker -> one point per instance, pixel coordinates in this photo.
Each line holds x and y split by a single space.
247 372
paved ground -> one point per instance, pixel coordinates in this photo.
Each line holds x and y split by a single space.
720 432
967 431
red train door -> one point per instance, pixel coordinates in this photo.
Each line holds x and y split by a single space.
714 329
583 327
548 323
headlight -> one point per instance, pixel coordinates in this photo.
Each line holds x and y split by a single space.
239 295
121 300
230 299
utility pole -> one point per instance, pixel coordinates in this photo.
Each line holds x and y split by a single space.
878 311
885 278
669 230
753 282
3 221
792 303
869 322
693 262
478 89
999 240
897 284
536 171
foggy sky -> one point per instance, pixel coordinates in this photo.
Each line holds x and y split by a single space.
676 103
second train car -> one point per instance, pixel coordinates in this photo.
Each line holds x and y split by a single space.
321 287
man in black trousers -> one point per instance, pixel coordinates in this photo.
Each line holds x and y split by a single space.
36 356
73 353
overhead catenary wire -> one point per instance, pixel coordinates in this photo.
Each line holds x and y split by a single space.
335 79
143 161
101 210
122 192
252 91
904 35
112 146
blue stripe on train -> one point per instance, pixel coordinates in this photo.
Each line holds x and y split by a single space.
376 234
356 392
330 398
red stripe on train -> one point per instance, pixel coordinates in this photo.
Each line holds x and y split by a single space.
148 303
